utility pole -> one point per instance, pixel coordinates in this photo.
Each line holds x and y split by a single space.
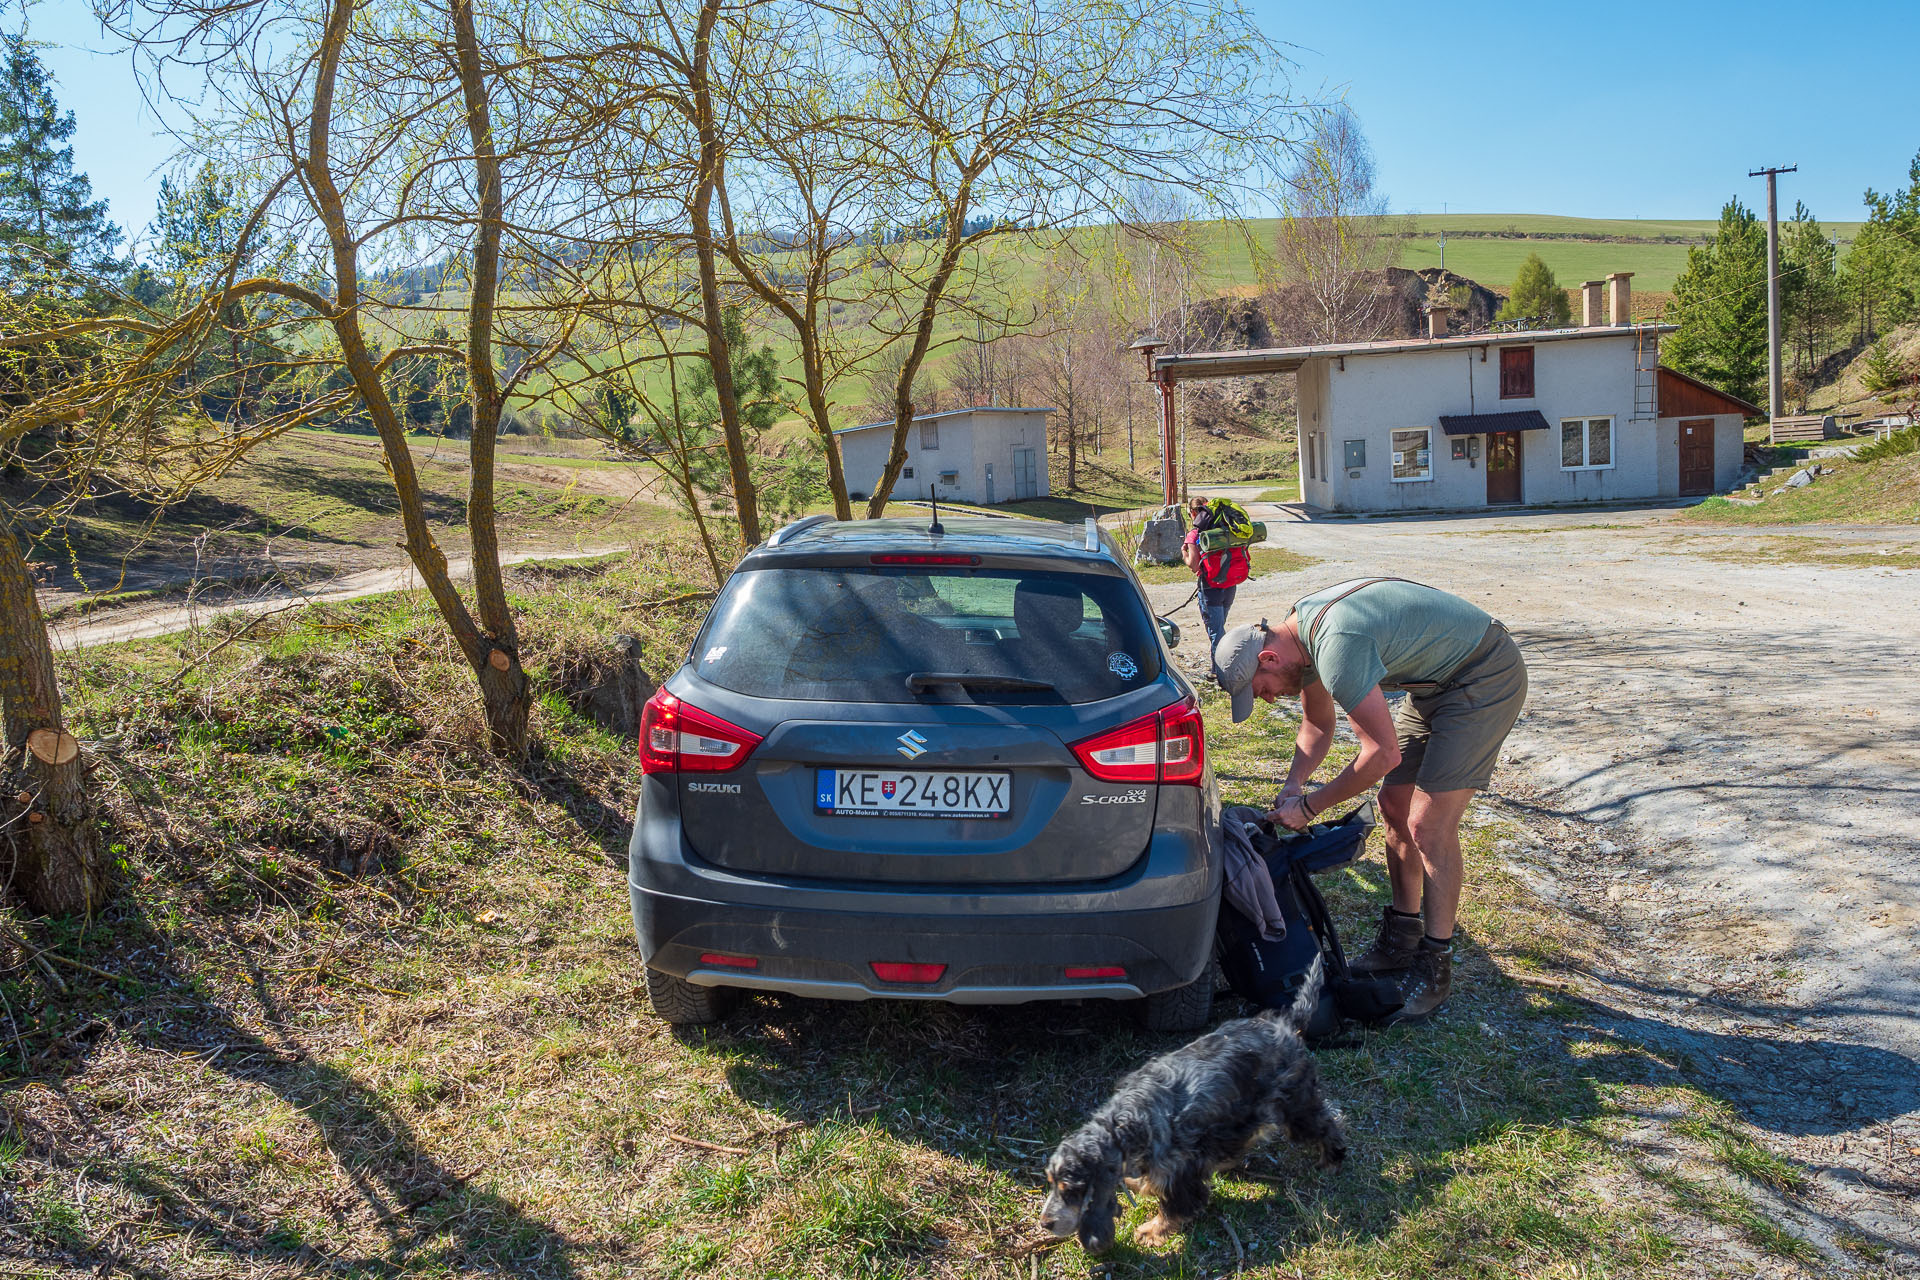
1776 402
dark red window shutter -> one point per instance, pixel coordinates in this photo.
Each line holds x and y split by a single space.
1516 373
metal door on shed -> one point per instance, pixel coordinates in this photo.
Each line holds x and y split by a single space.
1696 456
1026 477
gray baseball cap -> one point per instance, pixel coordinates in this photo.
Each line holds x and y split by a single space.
1236 658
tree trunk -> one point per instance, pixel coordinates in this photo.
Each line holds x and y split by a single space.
746 499
59 866
505 692
495 668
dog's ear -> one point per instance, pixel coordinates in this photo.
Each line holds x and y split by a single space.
1103 1167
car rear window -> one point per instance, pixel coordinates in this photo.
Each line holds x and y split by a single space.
853 633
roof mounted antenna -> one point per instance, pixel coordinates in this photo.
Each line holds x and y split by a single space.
936 529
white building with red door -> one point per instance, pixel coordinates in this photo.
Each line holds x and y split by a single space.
1471 421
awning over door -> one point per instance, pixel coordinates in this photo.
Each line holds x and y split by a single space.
1476 424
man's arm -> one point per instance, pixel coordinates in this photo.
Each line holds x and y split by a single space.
1379 752
1315 737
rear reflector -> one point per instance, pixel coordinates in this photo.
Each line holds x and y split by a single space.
731 962
888 972
896 558
1098 971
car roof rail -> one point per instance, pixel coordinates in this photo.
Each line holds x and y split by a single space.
798 527
1093 534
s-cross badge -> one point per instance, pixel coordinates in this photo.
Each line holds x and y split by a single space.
912 745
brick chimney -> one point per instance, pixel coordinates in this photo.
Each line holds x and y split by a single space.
1437 319
1590 304
1619 299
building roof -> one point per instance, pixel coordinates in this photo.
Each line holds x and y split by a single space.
1233 364
929 417
1681 395
1473 424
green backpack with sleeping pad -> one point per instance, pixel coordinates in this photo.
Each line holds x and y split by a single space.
1229 525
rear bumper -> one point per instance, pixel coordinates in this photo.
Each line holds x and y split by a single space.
999 945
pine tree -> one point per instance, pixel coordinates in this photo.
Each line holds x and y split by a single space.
1536 296
1812 303
50 225
1882 370
1894 219
1720 304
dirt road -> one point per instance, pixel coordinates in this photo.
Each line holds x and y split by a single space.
1720 764
136 622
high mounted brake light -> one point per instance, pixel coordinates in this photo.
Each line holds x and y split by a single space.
677 738
901 558
1168 745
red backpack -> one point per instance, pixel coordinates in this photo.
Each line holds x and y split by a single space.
1227 568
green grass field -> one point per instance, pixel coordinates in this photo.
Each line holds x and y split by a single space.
367 1004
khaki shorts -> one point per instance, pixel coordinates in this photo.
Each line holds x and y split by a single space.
1451 738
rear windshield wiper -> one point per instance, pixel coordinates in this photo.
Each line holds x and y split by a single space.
921 681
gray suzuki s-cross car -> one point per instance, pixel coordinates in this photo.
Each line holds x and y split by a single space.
910 763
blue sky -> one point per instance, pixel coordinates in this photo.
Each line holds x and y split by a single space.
1610 111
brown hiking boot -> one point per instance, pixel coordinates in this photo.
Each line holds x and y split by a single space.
1394 948
1427 984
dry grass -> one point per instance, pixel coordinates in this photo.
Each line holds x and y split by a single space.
376 1012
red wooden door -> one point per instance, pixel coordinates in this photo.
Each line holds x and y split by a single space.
1503 467
1696 456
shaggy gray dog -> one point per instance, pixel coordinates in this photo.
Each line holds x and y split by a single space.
1203 1107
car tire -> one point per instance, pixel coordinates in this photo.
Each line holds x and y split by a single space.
1187 1008
683 1004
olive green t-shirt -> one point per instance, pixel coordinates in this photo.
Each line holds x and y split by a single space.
1386 633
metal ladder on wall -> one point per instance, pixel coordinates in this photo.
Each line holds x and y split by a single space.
1646 372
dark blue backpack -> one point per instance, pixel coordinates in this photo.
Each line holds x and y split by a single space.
1268 971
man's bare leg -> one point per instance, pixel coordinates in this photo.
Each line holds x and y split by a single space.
1433 824
1406 869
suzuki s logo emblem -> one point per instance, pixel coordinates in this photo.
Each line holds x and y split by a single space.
912 745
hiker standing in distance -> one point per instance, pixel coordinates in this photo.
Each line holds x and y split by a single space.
1220 572
1465 684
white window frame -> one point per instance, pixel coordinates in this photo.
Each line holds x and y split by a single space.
953 483
1586 442
1426 475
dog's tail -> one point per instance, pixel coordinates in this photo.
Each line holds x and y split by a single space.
1307 999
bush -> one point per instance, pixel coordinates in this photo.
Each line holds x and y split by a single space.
1883 370
1896 445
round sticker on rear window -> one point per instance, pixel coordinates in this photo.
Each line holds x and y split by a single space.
1122 665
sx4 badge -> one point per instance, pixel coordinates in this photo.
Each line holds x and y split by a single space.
1136 796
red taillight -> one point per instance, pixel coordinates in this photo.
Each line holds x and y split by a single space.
1168 745
888 971
1185 736
677 738
731 962
895 558
1096 971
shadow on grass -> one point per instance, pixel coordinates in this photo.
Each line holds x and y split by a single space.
1479 1124
422 1212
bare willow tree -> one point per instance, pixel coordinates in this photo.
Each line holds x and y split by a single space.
381 134
1020 119
1338 235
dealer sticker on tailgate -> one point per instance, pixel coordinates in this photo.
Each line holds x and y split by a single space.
912 793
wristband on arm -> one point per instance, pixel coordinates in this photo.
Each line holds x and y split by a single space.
1311 812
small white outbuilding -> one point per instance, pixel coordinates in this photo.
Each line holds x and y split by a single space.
982 456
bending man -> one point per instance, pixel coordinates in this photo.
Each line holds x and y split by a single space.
1465 684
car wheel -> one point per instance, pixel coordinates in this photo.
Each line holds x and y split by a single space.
1187 1008
685 1005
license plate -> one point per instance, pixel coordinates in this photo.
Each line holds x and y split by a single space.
912 793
